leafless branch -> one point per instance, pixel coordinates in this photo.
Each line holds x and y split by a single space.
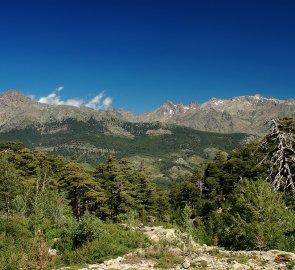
280 153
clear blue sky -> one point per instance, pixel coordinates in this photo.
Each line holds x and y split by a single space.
143 52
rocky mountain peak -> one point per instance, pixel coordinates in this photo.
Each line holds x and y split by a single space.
168 109
168 104
238 114
256 99
214 101
193 105
175 109
14 96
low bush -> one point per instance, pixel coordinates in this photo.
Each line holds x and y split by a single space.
92 241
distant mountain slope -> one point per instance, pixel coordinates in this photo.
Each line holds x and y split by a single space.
246 114
167 138
146 139
18 111
170 151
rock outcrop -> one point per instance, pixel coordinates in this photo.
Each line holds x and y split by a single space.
175 251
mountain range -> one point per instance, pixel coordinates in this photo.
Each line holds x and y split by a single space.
247 114
171 140
244 114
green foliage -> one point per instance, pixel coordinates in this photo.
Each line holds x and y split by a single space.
77 209
88 229
91 141
287 124
37 255
199 233
185 219
8 184
291 265
145 194
255 217
163 256
222 174
92 240
37 192
116 177
125 188
130 218
168 261
187 193
15 238
83 191
163 207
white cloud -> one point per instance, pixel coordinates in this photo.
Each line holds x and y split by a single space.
51 99
74 102
98 102
95 102
107 102
59 88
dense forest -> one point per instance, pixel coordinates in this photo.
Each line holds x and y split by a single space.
93 141
243 199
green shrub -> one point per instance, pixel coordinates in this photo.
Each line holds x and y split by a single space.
10 253
254 217
130 218
291 265
168 261
92 240
15 238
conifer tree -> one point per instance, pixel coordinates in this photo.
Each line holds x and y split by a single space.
252 212
83 191
116 177
222 174
163 206
145 193
8 184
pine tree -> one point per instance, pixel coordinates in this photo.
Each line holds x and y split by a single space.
163 206
253 212
116 177
83 191
186 193
145 194
185 219
8 184
222 174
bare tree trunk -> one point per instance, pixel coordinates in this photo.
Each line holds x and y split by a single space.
280 155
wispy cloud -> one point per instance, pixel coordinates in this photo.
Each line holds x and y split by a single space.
95 103
107 102
59 88
98 102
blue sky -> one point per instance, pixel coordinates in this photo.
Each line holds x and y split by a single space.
143 52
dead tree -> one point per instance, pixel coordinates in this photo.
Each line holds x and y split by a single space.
280 152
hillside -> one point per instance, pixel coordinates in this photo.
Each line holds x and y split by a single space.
171 151
244 114
170 139
247 114
19 111
225 216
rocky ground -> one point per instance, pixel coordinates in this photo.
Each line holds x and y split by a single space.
175 251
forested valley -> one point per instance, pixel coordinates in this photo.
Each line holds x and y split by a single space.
241 200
